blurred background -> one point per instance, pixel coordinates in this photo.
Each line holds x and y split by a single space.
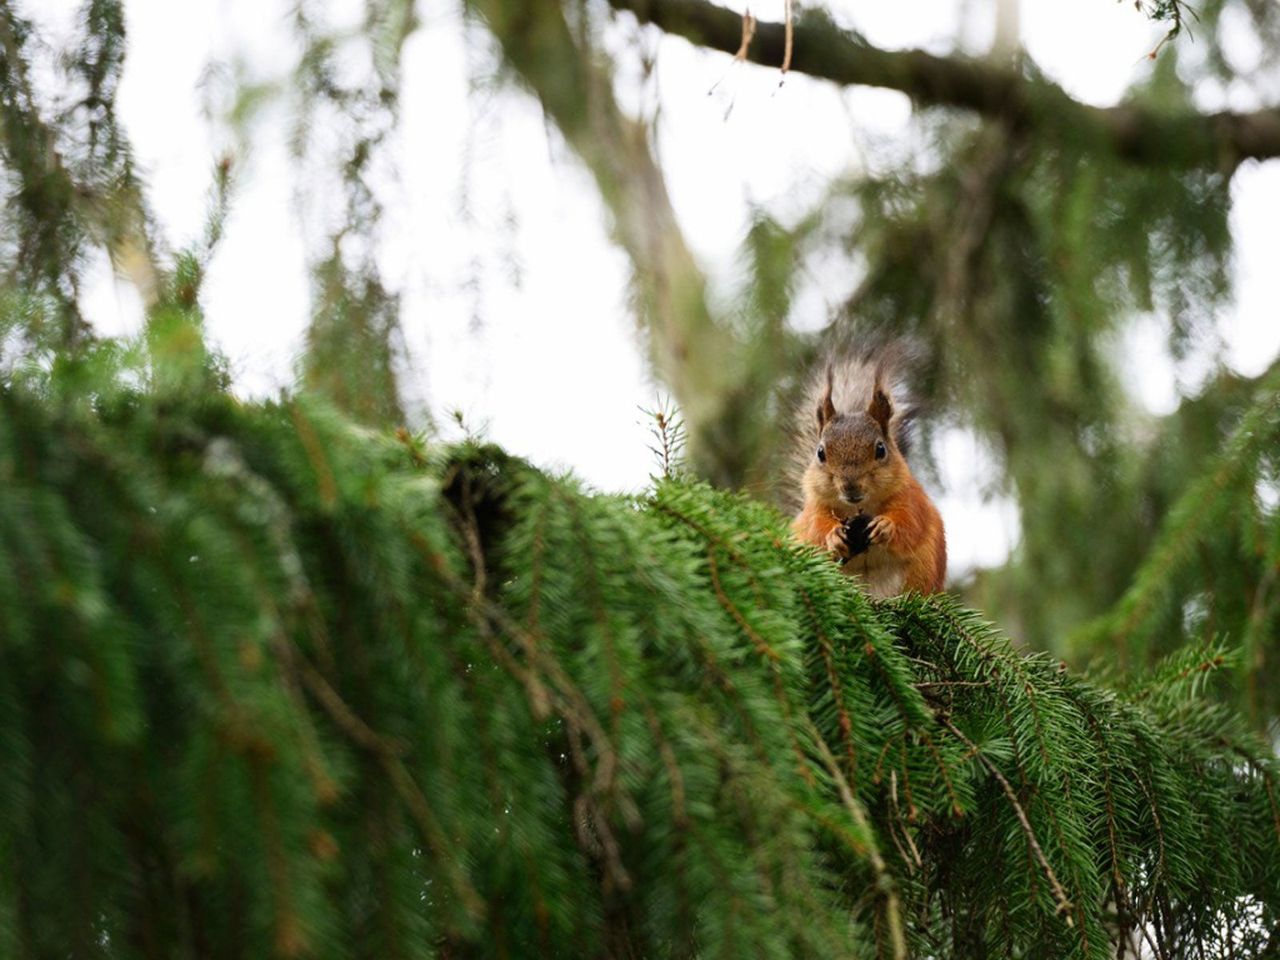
534 220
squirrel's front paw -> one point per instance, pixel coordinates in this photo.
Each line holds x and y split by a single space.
881 530
836 543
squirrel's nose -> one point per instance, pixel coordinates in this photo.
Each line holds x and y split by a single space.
853 494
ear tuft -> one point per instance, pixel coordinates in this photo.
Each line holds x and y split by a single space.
881 407
826 409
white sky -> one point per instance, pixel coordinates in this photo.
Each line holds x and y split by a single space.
515 303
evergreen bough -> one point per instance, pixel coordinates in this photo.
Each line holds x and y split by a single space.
276 685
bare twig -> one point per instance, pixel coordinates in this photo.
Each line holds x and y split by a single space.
748 32
789 43
915 859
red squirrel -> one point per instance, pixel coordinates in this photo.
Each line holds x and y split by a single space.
861 501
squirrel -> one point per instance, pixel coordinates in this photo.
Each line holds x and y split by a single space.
861 501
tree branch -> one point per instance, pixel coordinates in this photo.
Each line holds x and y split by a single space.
1137 134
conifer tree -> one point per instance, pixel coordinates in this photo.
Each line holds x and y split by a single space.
282 680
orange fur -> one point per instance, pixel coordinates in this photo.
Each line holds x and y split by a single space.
862 471
918 541
916 551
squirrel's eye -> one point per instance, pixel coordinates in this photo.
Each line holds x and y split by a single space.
881 450
822 454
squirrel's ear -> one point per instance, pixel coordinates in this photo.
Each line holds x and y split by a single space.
826 409
881 407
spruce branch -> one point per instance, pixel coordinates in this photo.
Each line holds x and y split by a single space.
551 720
884 881
1209 505
1059 894
669 438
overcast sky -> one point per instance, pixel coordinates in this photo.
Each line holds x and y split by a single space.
515 302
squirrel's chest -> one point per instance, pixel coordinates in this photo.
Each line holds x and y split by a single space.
883 573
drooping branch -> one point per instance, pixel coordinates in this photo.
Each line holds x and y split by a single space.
690 346
1138 134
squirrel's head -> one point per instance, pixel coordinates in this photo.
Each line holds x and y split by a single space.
857 461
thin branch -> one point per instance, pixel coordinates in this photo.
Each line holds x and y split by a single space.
788 40
748 31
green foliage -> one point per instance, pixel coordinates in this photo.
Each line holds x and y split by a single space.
274 685
1016 260
1213 568
1017 257
357 317
1025 260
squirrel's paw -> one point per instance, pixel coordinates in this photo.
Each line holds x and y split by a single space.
881 530
836 542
